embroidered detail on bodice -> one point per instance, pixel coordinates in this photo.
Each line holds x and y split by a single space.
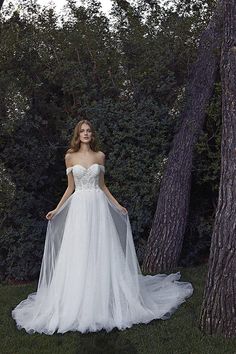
86 178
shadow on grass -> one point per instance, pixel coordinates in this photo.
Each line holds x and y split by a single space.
103 343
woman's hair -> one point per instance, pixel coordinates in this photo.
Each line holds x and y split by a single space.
75 141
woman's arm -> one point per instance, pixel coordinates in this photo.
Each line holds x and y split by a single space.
106 190
69 190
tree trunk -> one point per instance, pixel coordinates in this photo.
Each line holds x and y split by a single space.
1 3
218 313
166 236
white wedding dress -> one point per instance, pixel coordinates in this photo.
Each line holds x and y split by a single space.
90 278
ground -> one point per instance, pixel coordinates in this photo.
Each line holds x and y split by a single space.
178 335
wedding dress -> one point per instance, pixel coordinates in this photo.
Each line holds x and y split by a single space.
90 278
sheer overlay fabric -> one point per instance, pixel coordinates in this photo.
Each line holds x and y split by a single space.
90 278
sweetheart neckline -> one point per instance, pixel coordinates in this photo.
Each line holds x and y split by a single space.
87 168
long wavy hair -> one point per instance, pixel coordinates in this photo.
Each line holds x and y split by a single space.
75 141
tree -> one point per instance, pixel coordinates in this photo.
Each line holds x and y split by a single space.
219 305
1 3
124 74
166 235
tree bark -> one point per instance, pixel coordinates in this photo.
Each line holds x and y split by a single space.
166 237
218 313
1 3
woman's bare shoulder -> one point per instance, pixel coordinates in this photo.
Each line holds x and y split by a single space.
101 153
101 157
68 158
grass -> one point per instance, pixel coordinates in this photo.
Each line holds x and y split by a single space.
178 335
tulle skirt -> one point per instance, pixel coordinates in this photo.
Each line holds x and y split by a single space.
90 278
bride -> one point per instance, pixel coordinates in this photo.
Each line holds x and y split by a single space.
90 278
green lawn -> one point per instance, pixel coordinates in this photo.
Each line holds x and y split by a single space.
178 335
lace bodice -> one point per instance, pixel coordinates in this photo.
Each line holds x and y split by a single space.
86 178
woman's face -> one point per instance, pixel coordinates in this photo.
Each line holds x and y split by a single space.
85 134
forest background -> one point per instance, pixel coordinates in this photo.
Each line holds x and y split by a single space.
126 73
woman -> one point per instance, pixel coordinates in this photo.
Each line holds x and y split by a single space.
90 278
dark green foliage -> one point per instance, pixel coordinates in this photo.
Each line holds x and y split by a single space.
128 78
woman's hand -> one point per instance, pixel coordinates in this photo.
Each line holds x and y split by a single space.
122 209
50 214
